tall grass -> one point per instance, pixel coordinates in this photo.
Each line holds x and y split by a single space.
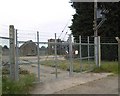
64 64
107 66
17 87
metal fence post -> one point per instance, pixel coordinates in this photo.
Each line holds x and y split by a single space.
99 52
80 52
119 52
88 48
17 66
12 51
119 62
117 38
38 56
0 68
70 55
56 57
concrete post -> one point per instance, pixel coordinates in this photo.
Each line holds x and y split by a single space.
96 50
12 51
70 55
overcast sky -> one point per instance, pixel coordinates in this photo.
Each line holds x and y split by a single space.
28 16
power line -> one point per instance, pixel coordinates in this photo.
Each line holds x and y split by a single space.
65 35
26 30
4 25
64 28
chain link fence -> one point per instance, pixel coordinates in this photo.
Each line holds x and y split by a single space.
109 49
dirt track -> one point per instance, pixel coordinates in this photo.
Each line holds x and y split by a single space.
108 85
91 83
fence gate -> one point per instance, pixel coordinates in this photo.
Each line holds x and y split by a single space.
83 58
46 59
56 58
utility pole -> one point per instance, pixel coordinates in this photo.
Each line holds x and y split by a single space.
95 18
12 52
96 39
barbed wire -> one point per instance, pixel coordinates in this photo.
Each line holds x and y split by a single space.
4 25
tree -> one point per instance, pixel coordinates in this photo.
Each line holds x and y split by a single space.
83 19
82 23
5 47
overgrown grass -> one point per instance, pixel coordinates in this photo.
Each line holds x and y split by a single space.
64 65
21 86
107 66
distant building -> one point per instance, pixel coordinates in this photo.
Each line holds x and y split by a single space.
60 48
5 51
29 48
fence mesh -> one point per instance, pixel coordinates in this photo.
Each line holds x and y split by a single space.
109 49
